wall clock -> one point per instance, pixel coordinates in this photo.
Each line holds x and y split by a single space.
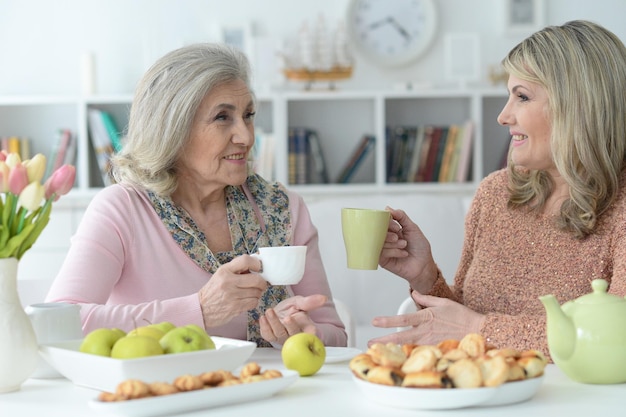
391 33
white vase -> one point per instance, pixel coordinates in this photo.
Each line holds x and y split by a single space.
18 349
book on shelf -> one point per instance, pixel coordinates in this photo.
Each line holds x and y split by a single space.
465 153
298 155
317 171
363 148
63 145
112 130
418 131
448 152
16 144
399 140
441 147
263 155
101 143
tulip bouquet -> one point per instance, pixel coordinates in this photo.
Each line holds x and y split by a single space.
23 216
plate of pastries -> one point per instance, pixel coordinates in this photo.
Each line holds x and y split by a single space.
452 374
192 391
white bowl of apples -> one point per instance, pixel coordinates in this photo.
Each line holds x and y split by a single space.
106 357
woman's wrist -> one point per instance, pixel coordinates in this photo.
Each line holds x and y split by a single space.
424 282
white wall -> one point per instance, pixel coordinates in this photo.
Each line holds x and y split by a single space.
41 41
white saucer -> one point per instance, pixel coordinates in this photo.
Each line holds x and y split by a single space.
340 354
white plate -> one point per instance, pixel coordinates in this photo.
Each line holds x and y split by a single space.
515 392
449 398
105 373
340 354
176 404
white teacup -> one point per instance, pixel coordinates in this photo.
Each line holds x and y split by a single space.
53 322
282 265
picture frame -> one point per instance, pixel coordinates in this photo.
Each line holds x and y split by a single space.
239 36
523 16
462 58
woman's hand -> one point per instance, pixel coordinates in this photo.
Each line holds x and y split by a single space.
439 319
406 252
231 291
289 317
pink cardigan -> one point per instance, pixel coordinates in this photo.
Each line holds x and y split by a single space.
125 270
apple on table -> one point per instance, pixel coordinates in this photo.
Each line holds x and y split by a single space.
304 353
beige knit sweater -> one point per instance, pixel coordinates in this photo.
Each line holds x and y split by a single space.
511 257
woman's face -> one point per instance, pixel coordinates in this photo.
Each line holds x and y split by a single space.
222 134
526 116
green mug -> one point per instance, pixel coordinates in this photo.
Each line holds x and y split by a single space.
364 232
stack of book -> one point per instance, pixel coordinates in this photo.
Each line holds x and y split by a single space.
429 153
16 144
307 164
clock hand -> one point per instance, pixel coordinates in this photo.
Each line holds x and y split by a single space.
399 28
380 22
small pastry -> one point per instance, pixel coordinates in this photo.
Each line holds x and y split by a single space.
448 344
426 379
132 388
361 364
188 383
420 360
385 375
388 354
250 369
162 388
495 371
473 344
465 373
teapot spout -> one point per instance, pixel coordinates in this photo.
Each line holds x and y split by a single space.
559 327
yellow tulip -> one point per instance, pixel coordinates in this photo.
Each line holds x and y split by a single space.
4 177
31 196
13 159
35 167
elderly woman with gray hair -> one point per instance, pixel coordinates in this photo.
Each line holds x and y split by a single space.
171 239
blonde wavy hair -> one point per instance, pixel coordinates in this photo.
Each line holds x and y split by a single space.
163 109
582 66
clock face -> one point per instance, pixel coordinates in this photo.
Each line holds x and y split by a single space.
391 32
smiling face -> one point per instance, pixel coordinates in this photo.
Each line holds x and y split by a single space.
526 116
221 136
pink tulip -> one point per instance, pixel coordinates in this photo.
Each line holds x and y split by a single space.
18 178
60 182
3 155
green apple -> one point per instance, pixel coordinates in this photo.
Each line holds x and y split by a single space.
203 332
164 326
153 332
183 339
304 353
137 346
100 341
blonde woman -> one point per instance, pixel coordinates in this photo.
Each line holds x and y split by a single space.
553 220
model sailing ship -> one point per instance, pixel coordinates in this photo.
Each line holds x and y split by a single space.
317 54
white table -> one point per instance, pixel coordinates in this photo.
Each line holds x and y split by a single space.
331 392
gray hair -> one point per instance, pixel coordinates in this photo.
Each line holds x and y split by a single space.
163 109
582 66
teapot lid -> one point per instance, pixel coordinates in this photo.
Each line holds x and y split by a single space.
599 294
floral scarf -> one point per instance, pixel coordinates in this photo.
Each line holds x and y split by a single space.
258 216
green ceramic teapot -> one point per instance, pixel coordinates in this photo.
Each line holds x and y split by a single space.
587 336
